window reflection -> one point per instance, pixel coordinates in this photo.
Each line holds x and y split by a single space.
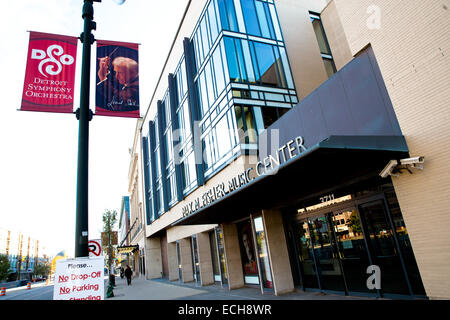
263 253
246 125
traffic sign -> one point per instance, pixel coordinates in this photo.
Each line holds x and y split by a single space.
95 248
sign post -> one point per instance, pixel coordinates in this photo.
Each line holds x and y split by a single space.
84 115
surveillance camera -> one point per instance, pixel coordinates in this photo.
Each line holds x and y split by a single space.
388 169
415 162
412 161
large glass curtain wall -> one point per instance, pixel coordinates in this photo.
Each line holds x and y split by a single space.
243 83
243 79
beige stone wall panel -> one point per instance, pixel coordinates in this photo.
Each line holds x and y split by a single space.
412 47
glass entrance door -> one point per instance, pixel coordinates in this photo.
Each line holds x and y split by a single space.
305 255
325 253
381 241
336 245
351 247
221 252
195 262
180 271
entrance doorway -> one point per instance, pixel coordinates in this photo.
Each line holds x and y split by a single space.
335 244
180 270
221 256
195 262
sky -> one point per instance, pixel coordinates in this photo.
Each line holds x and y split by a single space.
38 151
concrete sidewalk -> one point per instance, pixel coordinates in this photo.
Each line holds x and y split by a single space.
161 289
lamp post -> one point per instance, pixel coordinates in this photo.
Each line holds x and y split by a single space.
84 115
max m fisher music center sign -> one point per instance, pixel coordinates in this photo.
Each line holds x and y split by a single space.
266 166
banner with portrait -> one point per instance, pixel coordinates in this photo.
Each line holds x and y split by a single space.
50 73
117 79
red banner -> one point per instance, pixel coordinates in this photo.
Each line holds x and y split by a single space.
117 82
50 73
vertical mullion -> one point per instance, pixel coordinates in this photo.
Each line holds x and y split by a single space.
194 110
146 178
175 128
151 133
162 154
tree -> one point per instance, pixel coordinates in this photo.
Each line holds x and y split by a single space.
109 221
354 223
41 269
4 267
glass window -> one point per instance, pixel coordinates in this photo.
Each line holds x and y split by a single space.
266 64
213 22
209 84
218 71
240 123
204 35
275 22
208 150
198 56
329 67
167 110
271 114
320 35
203 93
269 20
287 71
251 21
280 67
263 252
323 44
248 62
223 137
263 20
223 14
240 60
183 78
246 125
157 163
227 15
232 21
186 118
233 66
191 174
169 145
250 124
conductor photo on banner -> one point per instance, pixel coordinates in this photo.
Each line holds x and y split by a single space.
117 91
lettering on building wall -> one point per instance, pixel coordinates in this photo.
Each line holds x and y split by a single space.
270 164
266 166
217 192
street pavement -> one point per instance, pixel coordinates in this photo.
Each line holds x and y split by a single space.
161 289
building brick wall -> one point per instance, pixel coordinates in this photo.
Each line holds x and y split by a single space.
411 41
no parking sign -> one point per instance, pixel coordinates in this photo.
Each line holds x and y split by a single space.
79 279
95 248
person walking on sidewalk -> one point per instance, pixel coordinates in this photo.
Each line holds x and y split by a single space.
128 274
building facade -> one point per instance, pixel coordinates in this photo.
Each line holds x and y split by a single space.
260 154
136 232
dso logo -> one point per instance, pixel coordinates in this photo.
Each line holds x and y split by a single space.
54 66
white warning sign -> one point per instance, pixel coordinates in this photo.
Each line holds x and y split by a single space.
79 279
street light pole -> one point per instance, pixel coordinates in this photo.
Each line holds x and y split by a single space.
84 115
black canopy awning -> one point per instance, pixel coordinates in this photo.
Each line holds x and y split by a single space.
335 161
